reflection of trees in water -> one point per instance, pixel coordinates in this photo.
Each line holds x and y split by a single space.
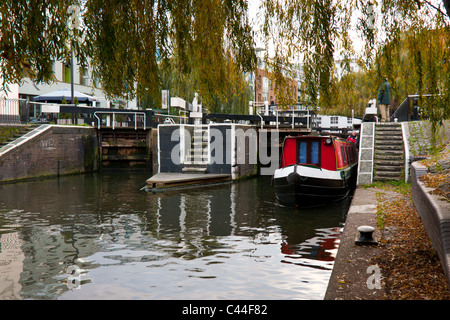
63 220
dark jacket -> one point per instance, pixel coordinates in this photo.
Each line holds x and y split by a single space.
384 93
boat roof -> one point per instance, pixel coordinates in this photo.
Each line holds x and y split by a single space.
315 137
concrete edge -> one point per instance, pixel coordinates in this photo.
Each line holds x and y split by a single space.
353 276
435 216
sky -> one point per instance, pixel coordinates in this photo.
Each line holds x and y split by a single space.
256 19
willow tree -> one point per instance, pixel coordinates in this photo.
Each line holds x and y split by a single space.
318 31
32 34
126 41
213 47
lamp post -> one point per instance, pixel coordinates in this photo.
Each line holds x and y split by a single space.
73 24
71 76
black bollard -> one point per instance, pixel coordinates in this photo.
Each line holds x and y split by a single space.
365 236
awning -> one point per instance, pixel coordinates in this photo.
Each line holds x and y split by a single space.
59 95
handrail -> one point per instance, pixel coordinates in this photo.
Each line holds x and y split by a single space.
262 120
184 116
135 113
169 116
406 150
275 110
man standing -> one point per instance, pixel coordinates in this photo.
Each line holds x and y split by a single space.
384 100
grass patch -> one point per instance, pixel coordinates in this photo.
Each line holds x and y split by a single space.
387 189
396 186
7 132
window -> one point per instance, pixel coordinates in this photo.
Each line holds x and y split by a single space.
84 76
334 120
315 152
308 152
318 121
344 156
66 71
303 152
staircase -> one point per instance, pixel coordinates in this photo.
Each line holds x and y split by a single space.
388 152
17 132
197 158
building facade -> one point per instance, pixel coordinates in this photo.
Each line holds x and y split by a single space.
82 82
333 123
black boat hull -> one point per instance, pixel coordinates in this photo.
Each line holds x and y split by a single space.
301 191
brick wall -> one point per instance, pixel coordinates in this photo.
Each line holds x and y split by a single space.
58 151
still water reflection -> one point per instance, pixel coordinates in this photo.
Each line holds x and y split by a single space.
100 237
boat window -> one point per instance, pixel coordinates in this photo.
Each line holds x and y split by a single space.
308 152
315 152
303 152
343 154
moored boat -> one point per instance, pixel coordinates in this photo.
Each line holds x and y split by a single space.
315 170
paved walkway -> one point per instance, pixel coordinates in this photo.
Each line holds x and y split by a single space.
353 276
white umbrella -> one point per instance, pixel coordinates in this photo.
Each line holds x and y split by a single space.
59 95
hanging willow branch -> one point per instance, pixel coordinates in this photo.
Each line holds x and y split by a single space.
126 41
32 34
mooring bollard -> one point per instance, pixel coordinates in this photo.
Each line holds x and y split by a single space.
365 235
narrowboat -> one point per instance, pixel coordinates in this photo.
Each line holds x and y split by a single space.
315 170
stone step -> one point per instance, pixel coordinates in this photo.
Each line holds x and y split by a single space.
22 131
203 151
201 144
388 128
382 162
388 142
388 125
194 168
386 173
381 178
199 131
380 134
196 163
197 158
388 154
388 137
387 149
382 168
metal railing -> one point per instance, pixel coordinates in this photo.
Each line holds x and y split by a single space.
291 111
182 118
10 110
114 122
409 109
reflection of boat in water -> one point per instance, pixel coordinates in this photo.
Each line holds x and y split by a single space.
323 247
315 170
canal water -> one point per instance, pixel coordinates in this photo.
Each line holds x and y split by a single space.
99 236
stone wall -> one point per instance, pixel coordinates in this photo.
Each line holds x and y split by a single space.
435 215
57 151
419 137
